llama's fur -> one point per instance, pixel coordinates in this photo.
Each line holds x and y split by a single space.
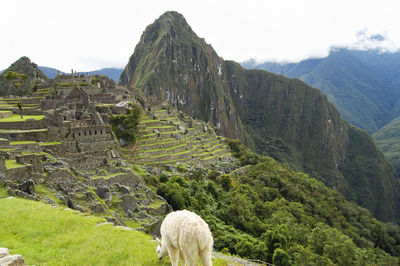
185 236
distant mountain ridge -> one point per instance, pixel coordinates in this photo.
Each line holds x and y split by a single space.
281 117
112 73
363 85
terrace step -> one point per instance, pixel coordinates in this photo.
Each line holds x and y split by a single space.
149 130
149 123
160 145
160 135
173 149
165 157
24 125
41 134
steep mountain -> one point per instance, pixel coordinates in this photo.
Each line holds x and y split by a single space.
112 73
388 139
23 66
274 115
363 85
171 63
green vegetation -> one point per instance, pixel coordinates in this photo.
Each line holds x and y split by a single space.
17 118
388 139
71 84
281 216
45 235
21 142
361 84
19 81
51 143
3 191
44 191
13 164
125 126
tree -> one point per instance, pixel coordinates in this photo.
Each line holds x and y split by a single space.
280 257
18 80
125 126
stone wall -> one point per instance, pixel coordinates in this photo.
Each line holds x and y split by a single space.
2 164
89 133
89 162
19 174
119 110
6 114
34 147
61 175
97 146
48 104
39 136
128 179
103 98
27 111
34 124
60 149
92 162
4 143
33 159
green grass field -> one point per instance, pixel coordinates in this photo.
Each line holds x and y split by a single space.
17 118
13 164
22 142
46 235
50 143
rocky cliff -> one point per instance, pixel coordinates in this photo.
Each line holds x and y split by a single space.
23 66
281 117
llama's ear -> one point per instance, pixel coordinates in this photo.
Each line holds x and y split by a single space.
158 241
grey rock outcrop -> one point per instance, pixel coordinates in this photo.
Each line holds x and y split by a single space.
28 187
10 260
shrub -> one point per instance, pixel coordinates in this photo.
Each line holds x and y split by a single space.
125 126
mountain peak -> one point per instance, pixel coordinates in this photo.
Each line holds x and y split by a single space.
172 18
25 66
170 23
170 15
23 60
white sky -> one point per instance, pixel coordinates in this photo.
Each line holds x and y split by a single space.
90 34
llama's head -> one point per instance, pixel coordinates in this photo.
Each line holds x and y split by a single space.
161 250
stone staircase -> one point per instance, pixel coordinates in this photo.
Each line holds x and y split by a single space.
169 138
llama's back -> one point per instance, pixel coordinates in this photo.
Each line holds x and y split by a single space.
171 226
195 230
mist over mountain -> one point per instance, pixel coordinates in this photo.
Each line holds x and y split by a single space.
277 116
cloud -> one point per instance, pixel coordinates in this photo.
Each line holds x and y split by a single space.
366 40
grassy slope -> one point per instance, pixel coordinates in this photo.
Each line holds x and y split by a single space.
45 235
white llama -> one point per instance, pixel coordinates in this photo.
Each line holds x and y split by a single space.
186 236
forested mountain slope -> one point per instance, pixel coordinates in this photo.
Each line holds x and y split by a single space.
363 85
283 118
